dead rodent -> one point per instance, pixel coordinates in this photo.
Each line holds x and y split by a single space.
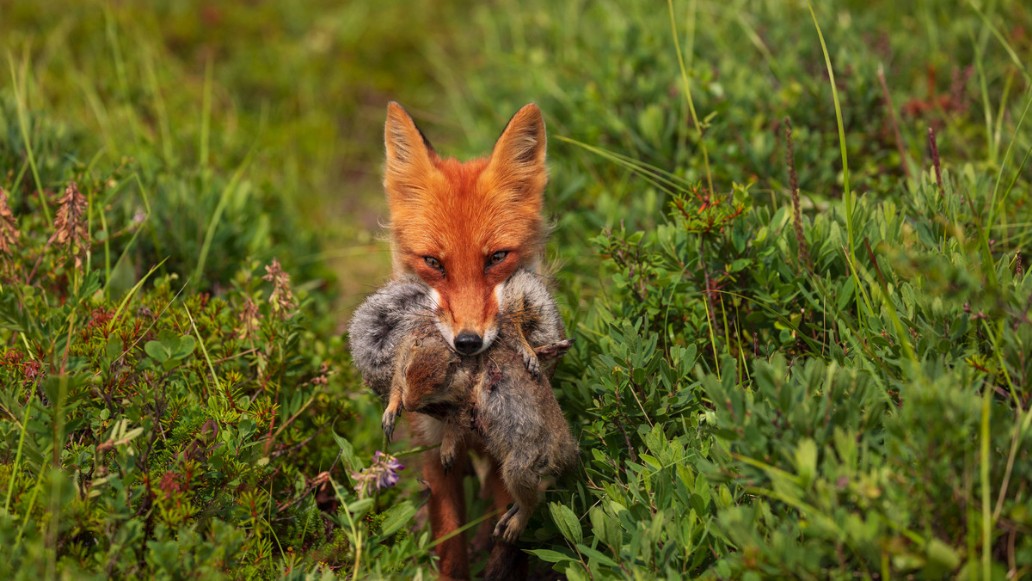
430 378
388 323
501 394
523 427
386 319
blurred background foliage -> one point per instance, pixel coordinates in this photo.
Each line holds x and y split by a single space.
763 387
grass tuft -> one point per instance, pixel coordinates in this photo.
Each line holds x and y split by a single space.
764 384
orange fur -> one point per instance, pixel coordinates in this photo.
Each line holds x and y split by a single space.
447 509
460 214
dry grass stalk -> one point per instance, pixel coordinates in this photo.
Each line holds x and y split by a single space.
8 226
282 297
249 319
70 225
933 146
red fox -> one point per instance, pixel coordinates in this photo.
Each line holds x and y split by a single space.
463 228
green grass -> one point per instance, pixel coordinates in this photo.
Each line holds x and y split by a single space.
755 397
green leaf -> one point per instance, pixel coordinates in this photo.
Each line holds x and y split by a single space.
157 351
651 461
566 521
806 460
347 453
845 445
360 507
396 517
739 265
550 556
132 434
186 346
942 558
651 121
604 527
596 556
845 295
575 572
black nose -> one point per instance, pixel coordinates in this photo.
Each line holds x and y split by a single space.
468 343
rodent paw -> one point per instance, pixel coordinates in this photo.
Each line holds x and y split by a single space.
557 349
533 363
390 417
510 533
500 528
509 526
447 459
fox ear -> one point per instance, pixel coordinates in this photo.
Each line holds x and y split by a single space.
409 153
518 159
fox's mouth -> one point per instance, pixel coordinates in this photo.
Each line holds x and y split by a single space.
449 338
469 344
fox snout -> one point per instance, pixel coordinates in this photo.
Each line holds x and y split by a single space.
468 342
468 320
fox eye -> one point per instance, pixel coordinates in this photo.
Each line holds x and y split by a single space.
434 263
497 257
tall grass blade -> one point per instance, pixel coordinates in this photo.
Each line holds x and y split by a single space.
132 292
687 85
216 216
847 193
24 128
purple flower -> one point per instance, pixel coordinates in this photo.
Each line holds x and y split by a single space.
380 475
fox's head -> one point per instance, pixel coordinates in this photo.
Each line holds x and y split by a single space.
464 227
